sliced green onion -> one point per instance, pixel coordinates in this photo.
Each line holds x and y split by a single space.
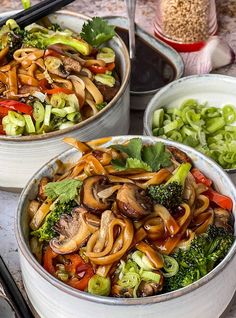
176 124
214 124
171 266
107 55
58 100
229 114
142 260
151 276
65 125
74 117
158 117
60 112
38 112
105 79
16 119
47 115
26 4
29 125
99 285
130 279
69 109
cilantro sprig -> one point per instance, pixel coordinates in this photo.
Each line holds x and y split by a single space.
97 31
149 158
64 191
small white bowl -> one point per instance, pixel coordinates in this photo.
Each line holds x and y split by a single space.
217 90
21 157
206 298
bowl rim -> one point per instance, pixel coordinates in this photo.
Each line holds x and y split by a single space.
89 120
180 81
26 253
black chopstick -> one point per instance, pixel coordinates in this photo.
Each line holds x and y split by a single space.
36 12
13 293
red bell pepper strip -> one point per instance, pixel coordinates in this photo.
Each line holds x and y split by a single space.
17 106
96 69
2 131
219 199
45 88
200 178
79 271
50 52
3 111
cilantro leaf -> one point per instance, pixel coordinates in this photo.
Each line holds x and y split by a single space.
132 149
97 31
130 163
64 191
156 156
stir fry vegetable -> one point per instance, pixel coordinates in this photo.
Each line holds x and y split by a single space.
127 231
208 129
56 77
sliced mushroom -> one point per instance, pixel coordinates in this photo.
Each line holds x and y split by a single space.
179 155
42 184
133 202
223 218
70 64
89 194
73 232
118 291
55 66
150 288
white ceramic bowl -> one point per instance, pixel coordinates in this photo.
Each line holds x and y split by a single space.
22 156
217 90
206 298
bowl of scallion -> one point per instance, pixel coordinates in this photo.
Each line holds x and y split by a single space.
198 111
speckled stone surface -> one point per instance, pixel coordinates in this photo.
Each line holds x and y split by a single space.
145 14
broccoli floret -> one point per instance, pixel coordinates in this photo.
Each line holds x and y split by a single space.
42 40
46 231
204 253
170 193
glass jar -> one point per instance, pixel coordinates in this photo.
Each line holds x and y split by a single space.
185 24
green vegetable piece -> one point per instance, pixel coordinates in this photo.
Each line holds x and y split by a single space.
170 194
156 156
16 119
29 125
105 79
46 232
97 31
65 125
58 100
99 285
150 276
158 117
106 54
229 113
142 260
204 253
75 117
26 4
101 106
132 149
64 191
60 112
214 124
38 112
42 40
171 266
47 115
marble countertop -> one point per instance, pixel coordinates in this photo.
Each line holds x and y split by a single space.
144 16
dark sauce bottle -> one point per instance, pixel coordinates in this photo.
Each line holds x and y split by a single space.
150 70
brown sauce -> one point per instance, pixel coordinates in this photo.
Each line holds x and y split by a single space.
150 70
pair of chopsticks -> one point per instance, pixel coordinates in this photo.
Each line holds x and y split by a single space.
12 293
36 12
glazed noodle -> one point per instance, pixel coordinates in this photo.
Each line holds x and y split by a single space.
129 220
52 79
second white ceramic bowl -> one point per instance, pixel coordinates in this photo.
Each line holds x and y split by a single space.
216 90
206 298
21 157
